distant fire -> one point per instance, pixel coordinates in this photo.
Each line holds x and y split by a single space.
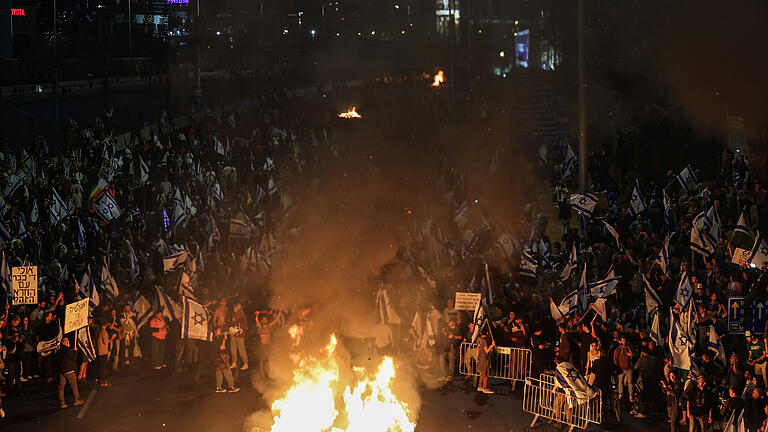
350 113
439 79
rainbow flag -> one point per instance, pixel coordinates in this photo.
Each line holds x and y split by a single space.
99 188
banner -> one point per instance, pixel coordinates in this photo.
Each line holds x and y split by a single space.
741 257
76 315
466 301
24 285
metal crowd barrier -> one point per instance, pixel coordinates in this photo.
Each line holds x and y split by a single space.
507 363
542 398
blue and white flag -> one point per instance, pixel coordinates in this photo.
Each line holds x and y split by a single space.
571 264
185 286
713 219
528 265
5 278
108 283
487 286
80 234
735 423
557 315
684 291
87 289
271 186
179 209
573 383
216 191
268 165
716 345
260 194
34 214
174 261
44 348
678 343
606 287
662 259
583 290
570 303
636 202
14 183
702 241
759 252
195 322
143 309
479 320
385 308
652 299
134 269
613 233
655 330
569 164
58 208
688 180
170 308
584 203
85 344
143 172
218 147
108 208
743 227
668 215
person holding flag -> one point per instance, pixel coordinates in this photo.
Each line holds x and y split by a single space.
483 360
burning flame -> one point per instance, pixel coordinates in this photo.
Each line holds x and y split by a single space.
439 78
296 331
350 113
313 402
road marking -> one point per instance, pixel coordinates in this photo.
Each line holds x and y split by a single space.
87 403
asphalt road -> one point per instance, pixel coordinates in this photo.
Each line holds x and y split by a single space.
149 401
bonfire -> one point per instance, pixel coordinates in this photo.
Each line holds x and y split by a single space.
352 113
439 79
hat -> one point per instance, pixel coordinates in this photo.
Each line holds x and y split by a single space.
747 333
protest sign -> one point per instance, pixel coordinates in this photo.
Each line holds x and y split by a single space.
466 301
76 315
24 285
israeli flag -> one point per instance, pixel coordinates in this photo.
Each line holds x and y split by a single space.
219 147
108 208
85 344
584 203
185 286
479 320
652 299
143 172
655 332
87 289
716 345
5 277
557 315
662 259
461 215
80 234
759 253
143 309
636 203
58 208
568 378
606 287
668 215
570 303
569 164
735 424
385 308
271 186
507 245
613 233
268 165
170 308
134 270
571 264
688 179
216 191
528 265
14 183
743 227
174 261
701 240
684 291
108 283
713 219
583 290
34 214
678 343
195 323
260 194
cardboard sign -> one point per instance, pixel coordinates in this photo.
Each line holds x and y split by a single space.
24 285
466 301
76 315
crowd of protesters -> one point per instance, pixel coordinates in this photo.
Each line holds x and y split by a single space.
176 189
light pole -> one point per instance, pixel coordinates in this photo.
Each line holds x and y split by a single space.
582 104
130 39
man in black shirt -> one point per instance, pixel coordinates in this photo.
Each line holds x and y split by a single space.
67 374
700 406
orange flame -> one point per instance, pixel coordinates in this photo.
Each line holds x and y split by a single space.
439 79
350 113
